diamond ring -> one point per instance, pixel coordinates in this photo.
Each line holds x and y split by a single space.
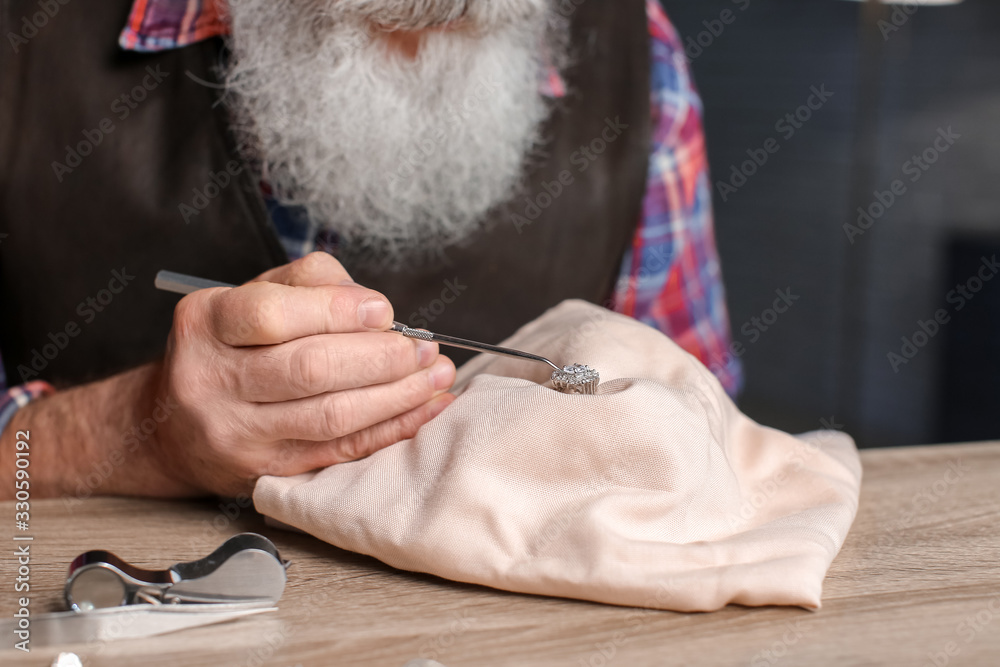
576 379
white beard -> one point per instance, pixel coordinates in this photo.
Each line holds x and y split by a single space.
399 157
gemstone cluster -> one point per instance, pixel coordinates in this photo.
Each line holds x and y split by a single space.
576 379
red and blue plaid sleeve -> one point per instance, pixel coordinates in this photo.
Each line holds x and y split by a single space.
670 277
15 398
155 25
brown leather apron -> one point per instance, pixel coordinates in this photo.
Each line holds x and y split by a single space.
104 155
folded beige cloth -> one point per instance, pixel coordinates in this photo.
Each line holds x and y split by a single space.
656 492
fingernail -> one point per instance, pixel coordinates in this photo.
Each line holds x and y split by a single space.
347 281
438 405
427 352
374 313
442 375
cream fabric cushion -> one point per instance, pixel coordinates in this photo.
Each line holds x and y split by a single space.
656 492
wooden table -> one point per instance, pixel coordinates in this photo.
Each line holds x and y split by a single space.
917 583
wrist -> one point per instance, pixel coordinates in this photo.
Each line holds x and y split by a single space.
134 459
100 439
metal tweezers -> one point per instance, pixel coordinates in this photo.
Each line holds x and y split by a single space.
183 284
420 334
572 379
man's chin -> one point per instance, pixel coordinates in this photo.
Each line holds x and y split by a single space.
399 158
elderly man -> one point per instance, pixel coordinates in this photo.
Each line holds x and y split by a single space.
469 164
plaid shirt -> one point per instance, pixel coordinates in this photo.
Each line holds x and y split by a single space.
669 278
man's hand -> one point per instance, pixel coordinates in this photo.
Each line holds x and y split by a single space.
288 373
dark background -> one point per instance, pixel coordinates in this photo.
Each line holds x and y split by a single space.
826 358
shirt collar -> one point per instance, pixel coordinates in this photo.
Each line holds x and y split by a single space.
158 25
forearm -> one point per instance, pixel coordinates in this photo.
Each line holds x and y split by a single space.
95 439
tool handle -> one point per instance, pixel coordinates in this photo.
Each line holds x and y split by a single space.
182 284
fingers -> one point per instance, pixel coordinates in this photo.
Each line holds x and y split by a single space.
313 270
326 363
300 299
263 313
368 441
335 415
292 457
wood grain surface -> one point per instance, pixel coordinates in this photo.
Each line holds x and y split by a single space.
917 583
